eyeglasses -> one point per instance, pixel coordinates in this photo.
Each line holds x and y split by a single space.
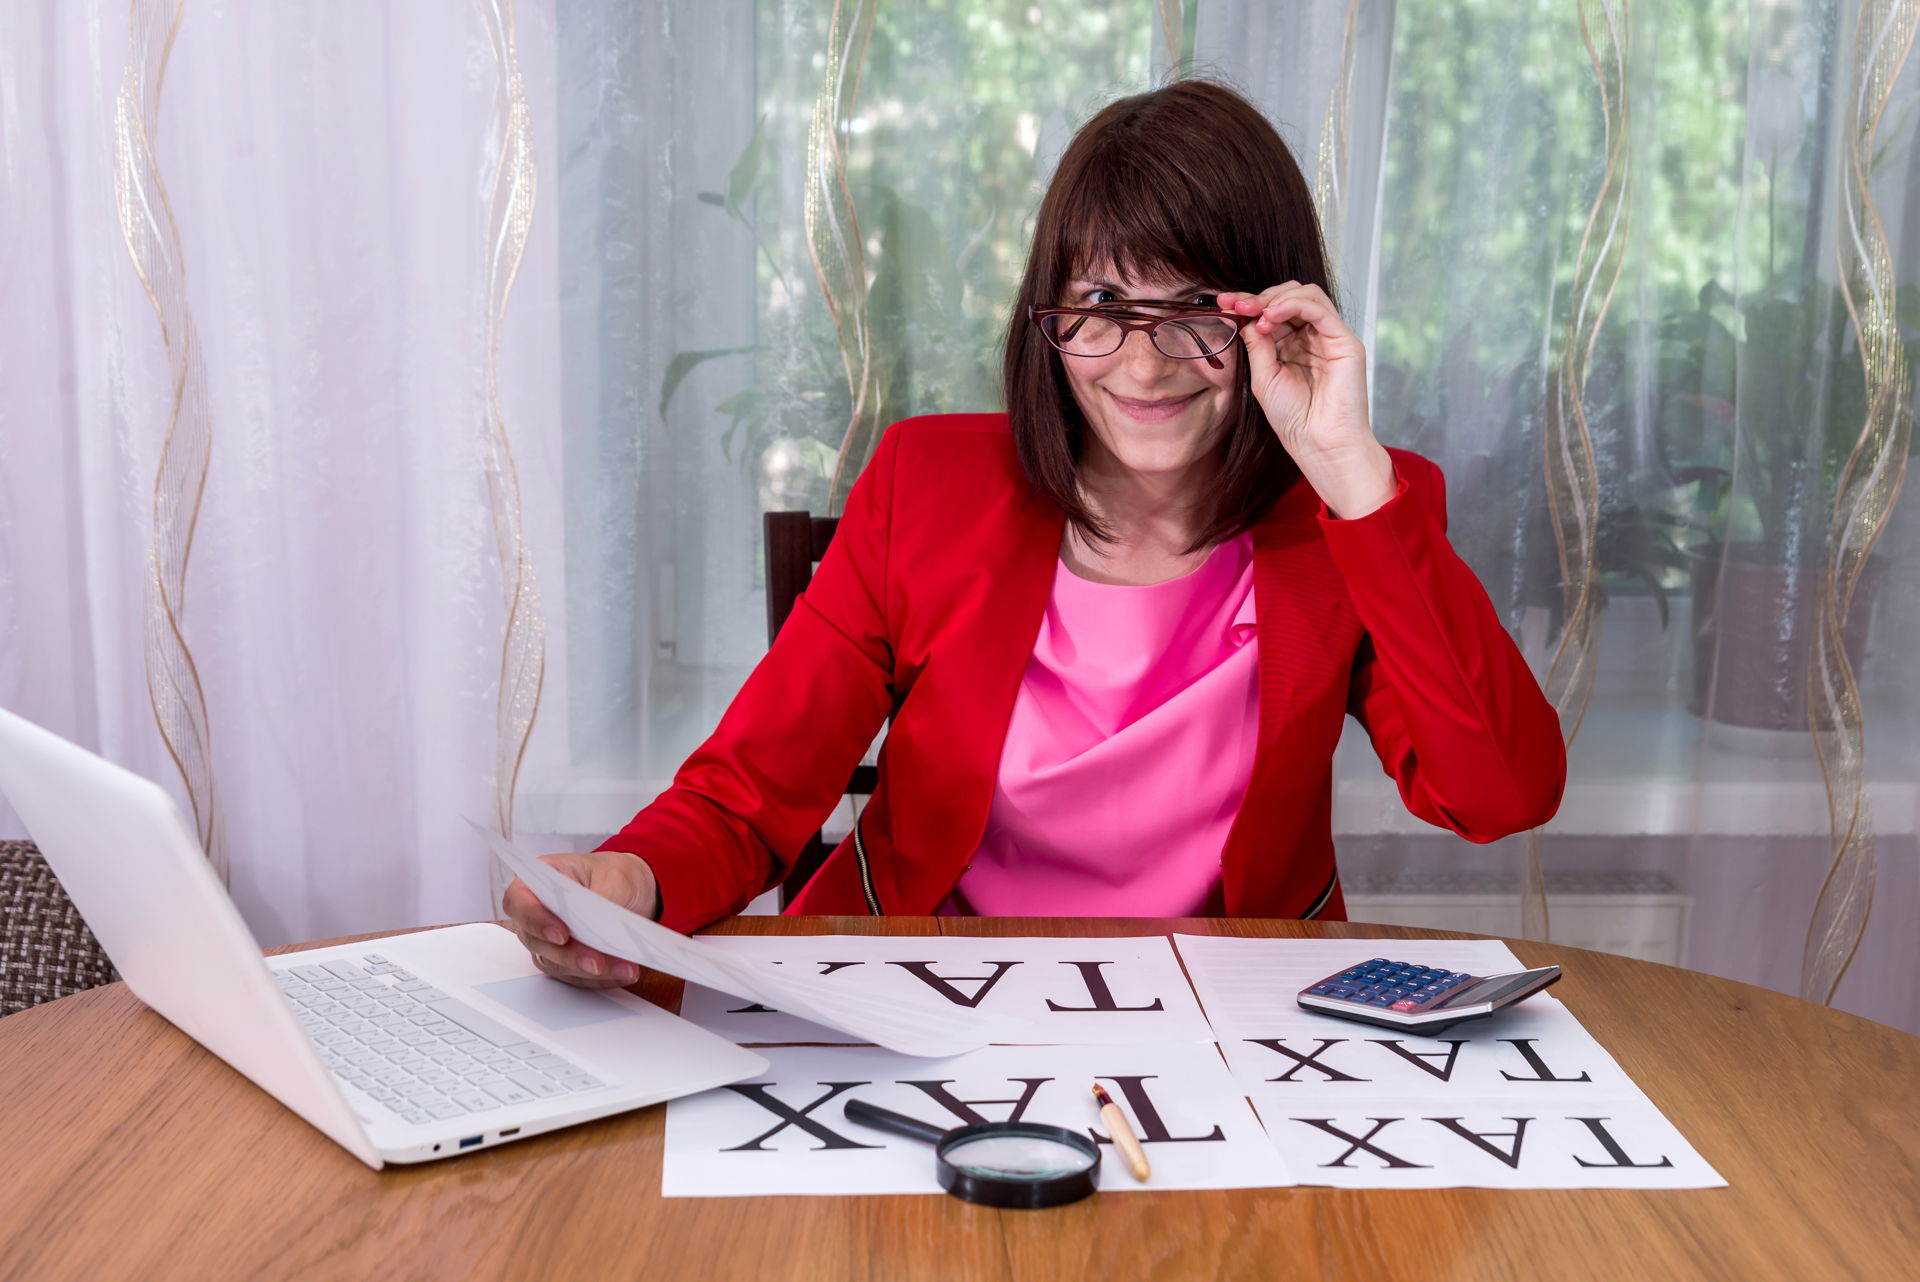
1099 331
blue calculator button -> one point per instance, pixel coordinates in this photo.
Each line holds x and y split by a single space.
1460 977
1383 1001
1377 961
1318 990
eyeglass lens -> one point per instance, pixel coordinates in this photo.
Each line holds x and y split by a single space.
1182 337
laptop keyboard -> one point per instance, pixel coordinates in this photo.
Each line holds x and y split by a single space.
422 1054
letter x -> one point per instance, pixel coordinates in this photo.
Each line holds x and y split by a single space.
759 1094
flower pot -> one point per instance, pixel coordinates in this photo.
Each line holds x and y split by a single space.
1753 629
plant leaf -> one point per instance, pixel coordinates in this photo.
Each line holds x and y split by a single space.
746 171
684 363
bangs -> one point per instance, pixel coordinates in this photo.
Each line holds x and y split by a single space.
1135 215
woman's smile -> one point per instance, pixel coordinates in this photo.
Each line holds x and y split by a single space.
1157 409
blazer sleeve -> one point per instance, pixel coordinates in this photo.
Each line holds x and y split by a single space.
1451 707
745 803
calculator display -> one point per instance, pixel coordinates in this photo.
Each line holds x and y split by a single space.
1488 990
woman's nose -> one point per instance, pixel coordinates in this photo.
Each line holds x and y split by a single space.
1140 357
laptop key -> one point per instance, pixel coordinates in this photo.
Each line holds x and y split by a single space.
310 973
343 969
538 1083
508 1093
417 1117
444 1109
582 1082
547 1061
475 1101
525 1050
375 959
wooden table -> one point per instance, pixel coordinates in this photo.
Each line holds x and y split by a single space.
131 1152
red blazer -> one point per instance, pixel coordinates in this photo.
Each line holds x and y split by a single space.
927 605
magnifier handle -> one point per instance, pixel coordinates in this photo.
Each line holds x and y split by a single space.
881 1119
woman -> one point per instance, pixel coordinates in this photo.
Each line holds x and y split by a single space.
1118 628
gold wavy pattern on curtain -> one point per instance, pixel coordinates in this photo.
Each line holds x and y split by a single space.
1330 175
1173 21
180 480
1573 480
523 651
834 240
1864 497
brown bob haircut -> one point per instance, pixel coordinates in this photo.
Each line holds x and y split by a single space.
1189 180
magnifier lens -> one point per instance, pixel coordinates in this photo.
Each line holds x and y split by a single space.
1017 1157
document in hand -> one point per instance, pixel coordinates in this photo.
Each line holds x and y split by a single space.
927 1027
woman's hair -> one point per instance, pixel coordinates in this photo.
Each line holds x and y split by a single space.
1192 181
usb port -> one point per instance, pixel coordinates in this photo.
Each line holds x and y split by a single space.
471 1140
511 1130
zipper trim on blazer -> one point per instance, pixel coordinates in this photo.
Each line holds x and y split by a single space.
866 868
1319 902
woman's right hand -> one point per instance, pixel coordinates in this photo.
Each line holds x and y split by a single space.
612 874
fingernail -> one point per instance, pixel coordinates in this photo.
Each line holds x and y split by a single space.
591 965
628 973
555 935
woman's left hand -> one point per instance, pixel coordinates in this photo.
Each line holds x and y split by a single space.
1309 373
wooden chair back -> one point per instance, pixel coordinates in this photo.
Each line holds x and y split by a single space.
795 543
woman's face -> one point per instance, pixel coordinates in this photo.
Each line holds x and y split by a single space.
1151 414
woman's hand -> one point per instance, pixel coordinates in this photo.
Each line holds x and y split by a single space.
1309 373
611 874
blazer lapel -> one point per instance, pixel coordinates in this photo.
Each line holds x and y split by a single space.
1005 597
1299 598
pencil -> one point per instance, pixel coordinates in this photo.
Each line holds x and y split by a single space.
1116 1123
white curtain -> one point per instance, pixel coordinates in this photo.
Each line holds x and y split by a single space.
328 169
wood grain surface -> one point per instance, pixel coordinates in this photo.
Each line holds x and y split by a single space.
130 1152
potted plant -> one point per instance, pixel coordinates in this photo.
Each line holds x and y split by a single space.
1761 401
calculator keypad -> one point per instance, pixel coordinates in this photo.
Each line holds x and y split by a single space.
1391 985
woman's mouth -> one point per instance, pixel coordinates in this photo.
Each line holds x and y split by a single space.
1158 410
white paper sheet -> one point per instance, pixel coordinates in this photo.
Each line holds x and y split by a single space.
912 1024
1524 1098
1194 1123
1456 1141
1093 991
1245 984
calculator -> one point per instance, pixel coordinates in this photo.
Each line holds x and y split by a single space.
1426 999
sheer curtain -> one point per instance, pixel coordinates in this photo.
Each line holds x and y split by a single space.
1597 252
297 420
512 318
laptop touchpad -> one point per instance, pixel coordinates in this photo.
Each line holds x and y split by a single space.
552 1004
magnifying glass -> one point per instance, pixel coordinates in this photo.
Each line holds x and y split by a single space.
1017 1164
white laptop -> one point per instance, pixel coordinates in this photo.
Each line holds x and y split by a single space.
404 1049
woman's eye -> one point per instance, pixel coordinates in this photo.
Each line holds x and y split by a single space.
1211 302
1096 297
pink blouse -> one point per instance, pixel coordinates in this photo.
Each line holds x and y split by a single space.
1129 749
